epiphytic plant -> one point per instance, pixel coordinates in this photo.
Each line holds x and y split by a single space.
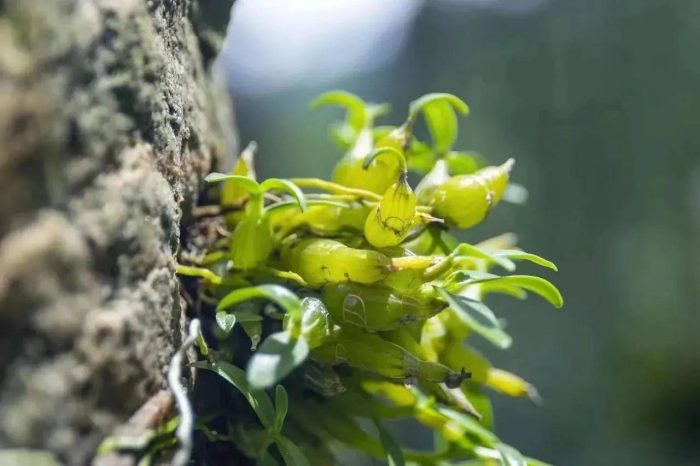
362 299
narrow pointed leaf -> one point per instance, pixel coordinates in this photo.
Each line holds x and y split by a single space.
509 455
420 157
287 186
266 460
281 407
464 163
537 285
356 107
292 454
244 316
246 183
457 103
394 455
275 293
496 286
468 249
384 151
376 110
254 331
258 399
442 123
478 317
517 254
470 424
278 355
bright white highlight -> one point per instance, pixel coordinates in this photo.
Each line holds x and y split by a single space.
274 45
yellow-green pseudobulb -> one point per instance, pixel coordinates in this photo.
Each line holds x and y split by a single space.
465 200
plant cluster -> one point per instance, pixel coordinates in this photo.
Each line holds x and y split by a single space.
356 302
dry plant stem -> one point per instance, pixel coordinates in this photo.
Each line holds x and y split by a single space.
184 429
217 210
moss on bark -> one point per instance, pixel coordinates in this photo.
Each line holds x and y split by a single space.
107 123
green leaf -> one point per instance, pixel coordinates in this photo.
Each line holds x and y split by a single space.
278 355
468 249
376 110
225 321
478 317
245 316
275 293
285 185
470 424
537 285
357 115
418 104
464 163
519 255
394 455
342 135
246 183
201 343
496 286
369 158
266 460
258 399
292 454
482 403
509 455
281 407
442 123
420 157
254 331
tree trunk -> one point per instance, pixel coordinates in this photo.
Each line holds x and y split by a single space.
107 125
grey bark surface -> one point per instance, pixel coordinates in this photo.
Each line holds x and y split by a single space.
107 125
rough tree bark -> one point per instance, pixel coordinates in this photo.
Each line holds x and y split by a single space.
107 124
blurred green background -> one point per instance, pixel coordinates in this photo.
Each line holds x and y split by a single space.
599 102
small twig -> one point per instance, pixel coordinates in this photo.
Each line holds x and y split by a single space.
185 428
214 210
222 231
191 259
272 198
